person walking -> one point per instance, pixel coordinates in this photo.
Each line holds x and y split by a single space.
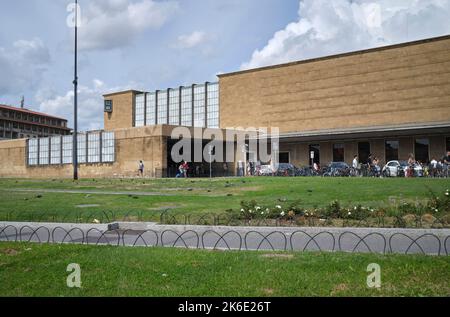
225 169
180 173
433 167
355 165
240 168
141 169
185 169
410 168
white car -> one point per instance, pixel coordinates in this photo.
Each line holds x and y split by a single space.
398 169
264 170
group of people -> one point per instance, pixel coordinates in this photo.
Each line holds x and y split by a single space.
183 169
373 165
433 168
250 168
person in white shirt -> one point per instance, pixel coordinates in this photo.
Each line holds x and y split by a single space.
433 167
355 164
355 161
433 163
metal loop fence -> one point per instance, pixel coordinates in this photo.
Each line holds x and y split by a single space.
265 240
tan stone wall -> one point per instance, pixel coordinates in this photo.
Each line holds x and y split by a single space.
12 158
132 145
122 115
401 85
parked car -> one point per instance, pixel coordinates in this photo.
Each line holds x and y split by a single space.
398 169
264 170
286 169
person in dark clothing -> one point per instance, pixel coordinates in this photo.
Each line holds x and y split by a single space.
141 169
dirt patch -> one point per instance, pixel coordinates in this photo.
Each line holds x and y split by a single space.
428 218
11 252
339 288
162 207
246 189
268 291
278 256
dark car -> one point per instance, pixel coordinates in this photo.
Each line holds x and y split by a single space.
286 169
337 169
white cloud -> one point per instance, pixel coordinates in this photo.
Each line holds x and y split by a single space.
22 65
108 24
194 39
327 27
90 103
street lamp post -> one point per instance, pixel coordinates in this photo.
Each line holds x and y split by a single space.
75 99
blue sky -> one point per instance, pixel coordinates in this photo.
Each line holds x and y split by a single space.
151 44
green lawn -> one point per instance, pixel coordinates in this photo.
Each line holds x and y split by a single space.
40 270
197 196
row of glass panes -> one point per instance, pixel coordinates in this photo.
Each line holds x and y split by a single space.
58 150
170 103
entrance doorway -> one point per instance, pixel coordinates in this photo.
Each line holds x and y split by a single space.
363 152
314 154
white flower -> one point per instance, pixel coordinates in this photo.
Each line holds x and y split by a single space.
349 213
278 206
250 211
355 208
267 209
307 214
447 193
436 210
242 210
258 208
282 214
262 213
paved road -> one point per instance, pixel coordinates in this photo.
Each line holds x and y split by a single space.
410 241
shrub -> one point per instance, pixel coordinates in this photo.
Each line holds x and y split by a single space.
333 210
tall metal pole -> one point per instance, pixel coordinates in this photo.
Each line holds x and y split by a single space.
75 99
210 162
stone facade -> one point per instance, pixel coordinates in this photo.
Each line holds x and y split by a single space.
132 145
404 84
123 109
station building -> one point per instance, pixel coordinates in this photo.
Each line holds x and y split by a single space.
389 101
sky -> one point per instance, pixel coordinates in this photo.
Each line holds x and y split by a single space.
157 44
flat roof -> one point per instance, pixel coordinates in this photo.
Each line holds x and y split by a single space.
371 50
122 92
362 132
30 112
